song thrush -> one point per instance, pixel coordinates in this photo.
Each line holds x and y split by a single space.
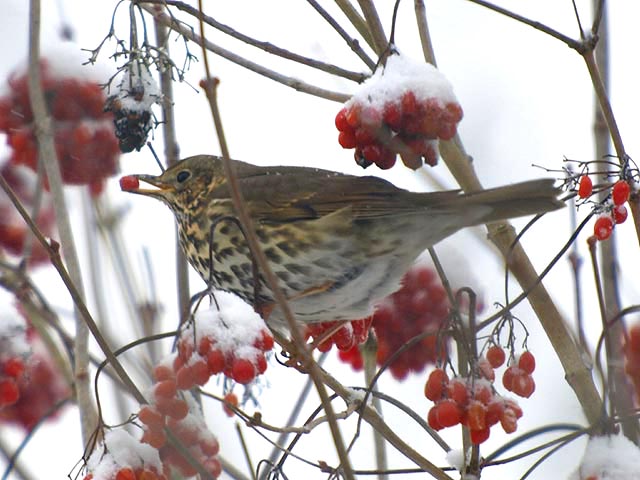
336 242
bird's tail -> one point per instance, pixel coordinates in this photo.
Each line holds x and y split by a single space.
517 200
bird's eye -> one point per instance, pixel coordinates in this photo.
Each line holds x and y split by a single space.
183 176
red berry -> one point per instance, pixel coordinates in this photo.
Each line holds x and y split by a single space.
603 227
476 415
458 392
524 385
178 409
341 121
620 213
432 418
204 346
486 370
125 474
585 187
409 103
620 193
453 112
13 367
230 400
508 376
9 392
162 372
265 342
436 383
448 413
154 437
243 370
151 417
165 389
496 356
392 115
347 139
508 420
527 362
200 372
216 361
185 378
479 436
353 116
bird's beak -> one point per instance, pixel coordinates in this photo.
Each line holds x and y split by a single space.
131 183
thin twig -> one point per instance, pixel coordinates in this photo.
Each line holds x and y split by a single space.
357 21
264 46
423 31
352 42
172 154
294 83
374 25
570 42
47 155
261 259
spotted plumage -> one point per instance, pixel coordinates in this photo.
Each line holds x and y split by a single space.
336 242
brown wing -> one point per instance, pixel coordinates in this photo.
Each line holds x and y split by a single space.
285 194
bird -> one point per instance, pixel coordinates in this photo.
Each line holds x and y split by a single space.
337 243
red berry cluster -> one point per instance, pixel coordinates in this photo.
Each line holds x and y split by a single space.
41 387
407 125
616 212
420 306
11 370
30 384
187 426
632 357
344 335
471 402
517 377
13 229
84 139
403 108
195 366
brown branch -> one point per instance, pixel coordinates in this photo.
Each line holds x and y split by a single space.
47 155
352 42
264 46
374 25
570 42
261 259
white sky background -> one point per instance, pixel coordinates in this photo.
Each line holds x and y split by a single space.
527 99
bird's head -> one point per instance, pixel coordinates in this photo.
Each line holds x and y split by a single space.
184 186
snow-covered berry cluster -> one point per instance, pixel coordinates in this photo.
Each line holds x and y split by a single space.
404 108
469 401
121 457
131 106
420 306
187 425
13 229
232 340
13 351
30 384
85 143
613 210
